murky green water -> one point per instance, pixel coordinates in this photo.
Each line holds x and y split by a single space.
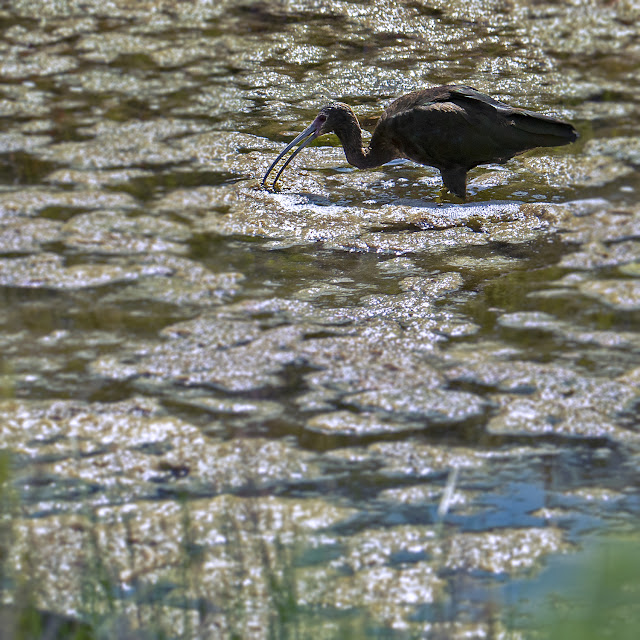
228 394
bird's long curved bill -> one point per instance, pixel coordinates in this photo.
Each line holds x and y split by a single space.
310 133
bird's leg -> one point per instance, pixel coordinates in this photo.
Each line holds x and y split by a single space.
455 181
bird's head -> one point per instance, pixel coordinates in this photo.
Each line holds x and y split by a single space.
335 117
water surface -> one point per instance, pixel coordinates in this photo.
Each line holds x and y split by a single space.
339 406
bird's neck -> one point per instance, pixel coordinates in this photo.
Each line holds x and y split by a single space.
372 156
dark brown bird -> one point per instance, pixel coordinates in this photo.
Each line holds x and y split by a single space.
452 128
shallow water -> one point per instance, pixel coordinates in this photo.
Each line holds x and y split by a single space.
228 393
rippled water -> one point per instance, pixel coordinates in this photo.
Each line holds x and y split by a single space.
228 394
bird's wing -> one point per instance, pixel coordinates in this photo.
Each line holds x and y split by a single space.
459 126
441 133
463 96
522 129
469 94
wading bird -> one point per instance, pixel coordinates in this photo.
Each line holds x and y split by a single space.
452 128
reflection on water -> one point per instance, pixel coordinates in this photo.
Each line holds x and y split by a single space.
247 404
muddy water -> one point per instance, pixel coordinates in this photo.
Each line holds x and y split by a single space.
234 398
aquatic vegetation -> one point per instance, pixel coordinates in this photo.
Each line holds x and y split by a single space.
344 408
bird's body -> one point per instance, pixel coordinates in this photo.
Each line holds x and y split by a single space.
452 128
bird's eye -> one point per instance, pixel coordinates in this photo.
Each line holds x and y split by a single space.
319 122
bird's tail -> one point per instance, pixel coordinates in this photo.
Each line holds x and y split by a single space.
542 131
